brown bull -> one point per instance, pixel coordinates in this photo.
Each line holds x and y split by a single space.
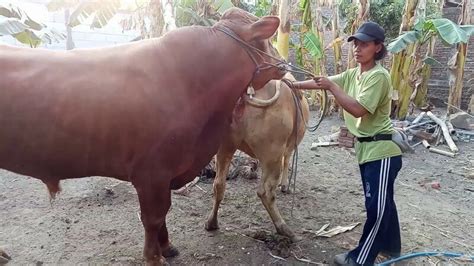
268 134
152 112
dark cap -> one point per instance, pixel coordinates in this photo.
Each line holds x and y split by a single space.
368 31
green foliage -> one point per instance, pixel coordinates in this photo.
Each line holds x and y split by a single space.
388 13
312 44
262 8
402 41
203 13
449 32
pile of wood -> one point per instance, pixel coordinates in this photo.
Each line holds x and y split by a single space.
432 131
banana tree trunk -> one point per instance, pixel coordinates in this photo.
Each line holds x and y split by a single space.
362 16
401 65
69 41
169 17
336 34
457 66
158 21
420 98
319 63
283 37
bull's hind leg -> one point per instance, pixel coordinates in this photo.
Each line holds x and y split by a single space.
267 192
223 160
155 201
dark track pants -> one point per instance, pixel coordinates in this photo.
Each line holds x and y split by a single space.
381 229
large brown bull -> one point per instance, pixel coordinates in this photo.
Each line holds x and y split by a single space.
267 131
152 112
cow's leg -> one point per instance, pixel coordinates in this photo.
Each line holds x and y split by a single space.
223 160
266 191
167 249
155 201
284 185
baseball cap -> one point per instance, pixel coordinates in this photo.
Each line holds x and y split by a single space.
368 31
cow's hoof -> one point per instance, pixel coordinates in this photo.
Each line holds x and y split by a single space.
211 225
170 252
295 238
285 189
286 231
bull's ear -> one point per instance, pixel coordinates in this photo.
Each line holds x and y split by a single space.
264 28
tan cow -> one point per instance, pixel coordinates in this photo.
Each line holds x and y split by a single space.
267 134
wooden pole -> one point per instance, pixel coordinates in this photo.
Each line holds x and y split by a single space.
445 130
426 144
438 151
418 118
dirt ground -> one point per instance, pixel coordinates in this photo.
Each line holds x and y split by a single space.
95 220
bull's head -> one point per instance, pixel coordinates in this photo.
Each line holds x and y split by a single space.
255 33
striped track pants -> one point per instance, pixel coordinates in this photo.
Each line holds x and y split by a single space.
381 229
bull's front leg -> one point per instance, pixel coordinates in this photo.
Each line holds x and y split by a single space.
167 250
155 201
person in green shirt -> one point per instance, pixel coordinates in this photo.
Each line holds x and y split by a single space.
365 93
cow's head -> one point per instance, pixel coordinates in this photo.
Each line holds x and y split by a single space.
256 33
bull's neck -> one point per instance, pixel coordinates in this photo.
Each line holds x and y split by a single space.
231 69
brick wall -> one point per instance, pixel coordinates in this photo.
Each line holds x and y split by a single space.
439 77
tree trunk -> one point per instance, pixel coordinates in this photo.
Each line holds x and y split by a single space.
420 98
337 41
362 16
401 65
319 63
169 17
456 65
69 41
283 37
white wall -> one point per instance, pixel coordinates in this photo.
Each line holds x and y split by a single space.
83 36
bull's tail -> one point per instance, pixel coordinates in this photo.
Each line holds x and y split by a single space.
53 187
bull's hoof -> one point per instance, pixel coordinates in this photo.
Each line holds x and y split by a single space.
170 252
4 258
156 262
212 225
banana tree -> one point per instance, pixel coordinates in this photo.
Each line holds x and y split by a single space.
456 65
309 51
100 12
402 60
418 39
15 22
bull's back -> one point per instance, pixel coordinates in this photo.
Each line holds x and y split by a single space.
72 114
